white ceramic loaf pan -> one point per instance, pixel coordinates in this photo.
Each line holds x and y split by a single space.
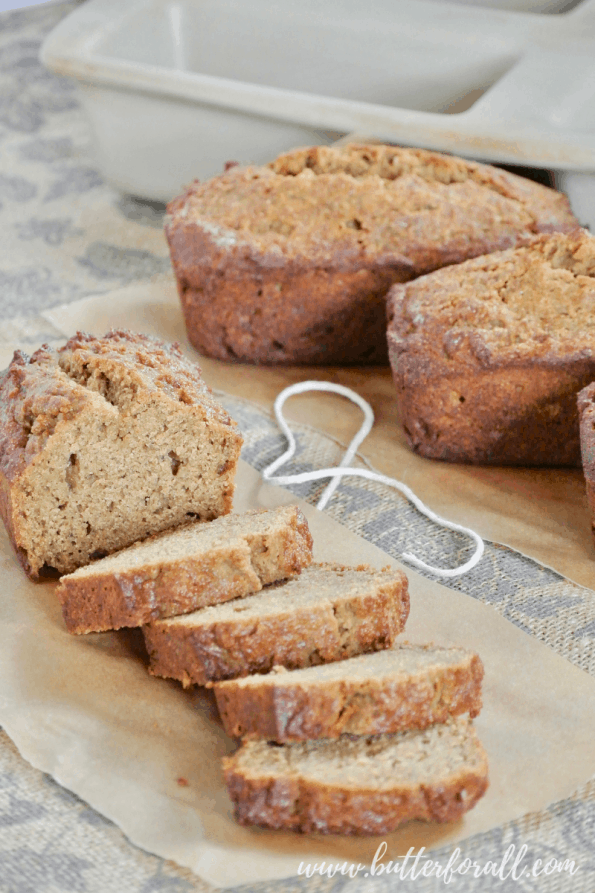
175 88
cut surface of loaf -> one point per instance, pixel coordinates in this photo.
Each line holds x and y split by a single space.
199 564
488 357
359 784
328 613
404 687
104 442
291 263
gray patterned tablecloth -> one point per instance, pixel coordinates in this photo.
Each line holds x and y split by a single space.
66 234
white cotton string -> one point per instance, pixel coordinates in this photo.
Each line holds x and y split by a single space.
344 470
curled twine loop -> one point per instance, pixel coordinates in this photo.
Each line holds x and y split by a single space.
345 470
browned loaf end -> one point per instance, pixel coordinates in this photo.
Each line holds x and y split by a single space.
328 613
291 263
359 785
104 442
488 357
199 564
404 687
586 409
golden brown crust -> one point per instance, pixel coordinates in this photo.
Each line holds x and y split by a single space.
101 601
291 263
112 601
488 357
34 399
285 713
549 210
299 636
152 364
286 804
339 317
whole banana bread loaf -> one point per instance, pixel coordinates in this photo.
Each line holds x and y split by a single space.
104 442
488 356
291 263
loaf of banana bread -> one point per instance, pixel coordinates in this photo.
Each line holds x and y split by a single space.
488 356
104 442
291 262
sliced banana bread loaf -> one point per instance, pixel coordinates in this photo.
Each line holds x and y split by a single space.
291 263
106 441
359 785
405 687
327 613
188 568
488 356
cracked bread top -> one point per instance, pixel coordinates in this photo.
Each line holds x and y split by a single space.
535 302
106 441
37 393
373 202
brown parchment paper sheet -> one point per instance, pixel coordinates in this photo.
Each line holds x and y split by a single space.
146 754
539 512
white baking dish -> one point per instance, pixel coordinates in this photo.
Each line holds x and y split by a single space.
175 88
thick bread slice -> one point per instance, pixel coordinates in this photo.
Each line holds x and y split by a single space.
406 687
327 613
197 565
359 785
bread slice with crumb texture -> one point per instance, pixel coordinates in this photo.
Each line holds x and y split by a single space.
359 784
405 687
176 572
328 613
